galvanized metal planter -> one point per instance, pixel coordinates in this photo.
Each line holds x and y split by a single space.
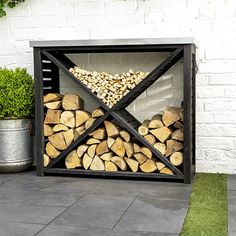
16 145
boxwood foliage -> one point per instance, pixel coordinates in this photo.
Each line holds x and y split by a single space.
16 93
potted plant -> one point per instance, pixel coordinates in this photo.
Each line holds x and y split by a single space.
16 112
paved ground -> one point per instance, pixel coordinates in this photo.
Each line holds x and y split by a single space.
232 204
64 206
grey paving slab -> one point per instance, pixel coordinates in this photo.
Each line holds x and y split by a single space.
232 182
232 226
155 215
19 229
95 211
38 198
28 214
58 230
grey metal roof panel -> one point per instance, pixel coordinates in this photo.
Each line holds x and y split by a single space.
104 42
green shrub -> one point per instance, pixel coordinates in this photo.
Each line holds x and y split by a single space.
16 93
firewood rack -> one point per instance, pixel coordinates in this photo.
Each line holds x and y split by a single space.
49 57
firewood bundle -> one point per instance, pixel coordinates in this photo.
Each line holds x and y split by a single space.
165 133
109 88
111 148
65 120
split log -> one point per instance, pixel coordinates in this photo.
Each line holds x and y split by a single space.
68 136
119 162
52 97
78 131
112 130
53 105
60 127
67 118
110 142
106 156
171 115
72 160
156 122
140 157
118 147
46 160
87 161
97 113
178 135
92 141
171 147
97 164
178 125
89 122
150 138
143 128
81 150
160 165
102 148
99 133
129 149
133 164
136 148
148 166
146 152
81 117
125 135
161 134
166 171
52 116
51 151
161 147
92 150
47 130
110 166
58 141
72 102
176 158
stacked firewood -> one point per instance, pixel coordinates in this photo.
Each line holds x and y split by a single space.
165 133
65 120
111 148
108 87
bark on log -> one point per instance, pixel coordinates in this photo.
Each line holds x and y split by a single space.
173 146
171 115
52 97
178 135
143 128
178 125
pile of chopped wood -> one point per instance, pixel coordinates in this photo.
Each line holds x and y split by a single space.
64 122
165 133
109 147
109 88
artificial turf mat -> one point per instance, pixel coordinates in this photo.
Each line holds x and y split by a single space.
208 209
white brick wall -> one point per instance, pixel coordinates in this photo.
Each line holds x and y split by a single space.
212 23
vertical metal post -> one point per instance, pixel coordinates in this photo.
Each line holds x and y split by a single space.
39 112
194 110
187 165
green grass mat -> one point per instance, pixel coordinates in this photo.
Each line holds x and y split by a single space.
207 213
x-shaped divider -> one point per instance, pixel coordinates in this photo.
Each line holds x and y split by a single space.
118 111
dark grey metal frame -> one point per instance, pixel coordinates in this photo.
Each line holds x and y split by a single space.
48 61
